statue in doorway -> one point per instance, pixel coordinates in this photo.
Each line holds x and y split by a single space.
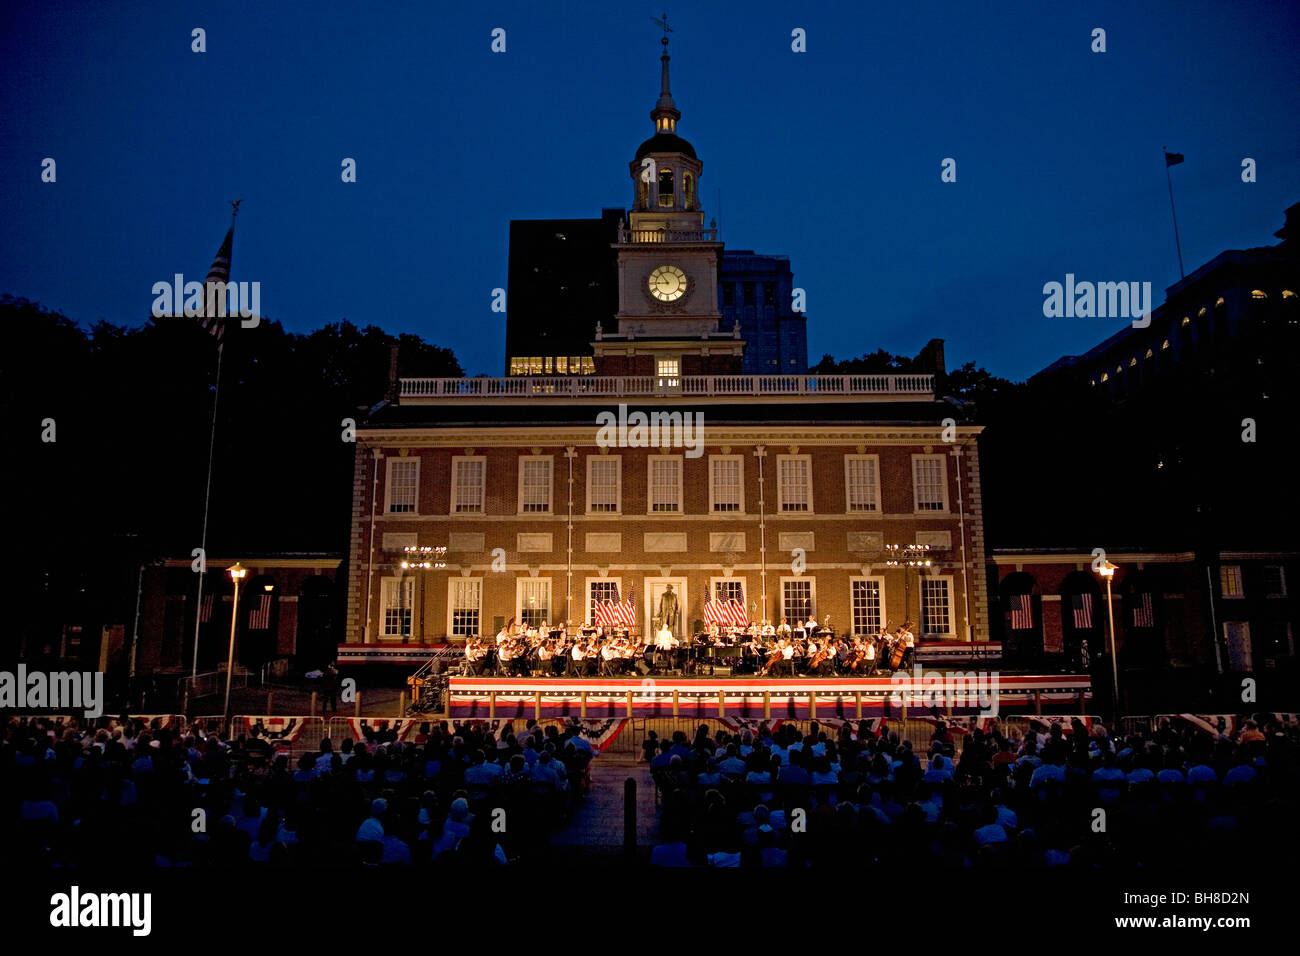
670 612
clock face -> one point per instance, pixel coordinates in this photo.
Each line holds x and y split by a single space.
667 283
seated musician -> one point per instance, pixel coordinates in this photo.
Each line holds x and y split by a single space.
577 655
844 652
474 654
811 624
545 654
786 663
712 632
504 633
608 654
505 657
784 629
768 629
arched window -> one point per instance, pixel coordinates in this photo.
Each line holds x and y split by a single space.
666 197
688 190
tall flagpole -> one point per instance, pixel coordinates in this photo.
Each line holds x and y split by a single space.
207 498
212 443
1168 179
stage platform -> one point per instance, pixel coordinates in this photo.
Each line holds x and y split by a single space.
942 691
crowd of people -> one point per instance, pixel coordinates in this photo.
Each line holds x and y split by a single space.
94 792
1071 796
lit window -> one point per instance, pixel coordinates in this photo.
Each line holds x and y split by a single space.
665 484
865 600
535 485
1092 381
930 482
1164 345
1149 354
725 483
1105 376
397 598
534 601
861 484
601 592
467 479
1218 303
1288 294
1202 312
1258 294
403 480
603 474
1132 362
464 602
936 606
797 600
1187 320
794 483
668 370
1230 581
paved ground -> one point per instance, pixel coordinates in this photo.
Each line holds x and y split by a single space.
599 821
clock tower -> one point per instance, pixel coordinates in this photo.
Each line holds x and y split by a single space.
668 320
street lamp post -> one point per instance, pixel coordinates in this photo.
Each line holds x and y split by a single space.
1107 571
237 573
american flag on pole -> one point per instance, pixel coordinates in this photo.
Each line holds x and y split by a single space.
210 318
615 613
726 613
205 611
259 618
1082 607
1142 613
1022 612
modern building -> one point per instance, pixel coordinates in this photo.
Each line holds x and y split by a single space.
758 292
669 471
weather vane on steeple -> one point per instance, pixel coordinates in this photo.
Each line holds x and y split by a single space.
663 23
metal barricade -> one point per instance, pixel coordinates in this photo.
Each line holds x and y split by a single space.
296 735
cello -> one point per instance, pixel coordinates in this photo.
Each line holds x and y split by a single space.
897 650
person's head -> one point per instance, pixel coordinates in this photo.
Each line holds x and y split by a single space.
305 762
326 746
378 807
459 810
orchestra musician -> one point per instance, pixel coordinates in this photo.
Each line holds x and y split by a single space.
475 652
784 629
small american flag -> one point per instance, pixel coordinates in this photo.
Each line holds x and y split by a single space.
259 618
210 319
1022 612
1142 613
205 614
1082 606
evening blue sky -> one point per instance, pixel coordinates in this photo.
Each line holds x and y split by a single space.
831 156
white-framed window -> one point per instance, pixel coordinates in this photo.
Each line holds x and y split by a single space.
861 483
794 483
867 604
798 599
668 371
930 483
403 486
535 484
1230 584
936 606
604 484
1274 580
600 590
465 607
665 484
533 601
396 601
727 484
468 481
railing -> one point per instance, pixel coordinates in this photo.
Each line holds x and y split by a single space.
520 386
667 235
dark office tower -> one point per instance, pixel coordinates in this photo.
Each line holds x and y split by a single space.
563 280
756 291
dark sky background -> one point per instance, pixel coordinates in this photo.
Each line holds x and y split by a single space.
831 156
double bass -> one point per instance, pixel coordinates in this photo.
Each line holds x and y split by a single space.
897 650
